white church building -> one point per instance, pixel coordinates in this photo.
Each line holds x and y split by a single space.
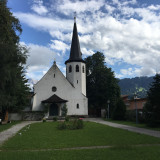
56 90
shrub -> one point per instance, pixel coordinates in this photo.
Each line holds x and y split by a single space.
131 116
62 125
72 125
44 120
67 118
80 124
55 118
76 124
119 111
64 110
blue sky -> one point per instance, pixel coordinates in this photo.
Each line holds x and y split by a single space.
126 31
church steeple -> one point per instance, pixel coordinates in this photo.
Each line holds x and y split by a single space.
75 65
75 52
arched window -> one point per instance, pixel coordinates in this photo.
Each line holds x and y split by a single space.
83 69
77 106
77 68
70 68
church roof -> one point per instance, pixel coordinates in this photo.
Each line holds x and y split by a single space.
75 52
54 99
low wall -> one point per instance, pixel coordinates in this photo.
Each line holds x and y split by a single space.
15 116
33 115
26 115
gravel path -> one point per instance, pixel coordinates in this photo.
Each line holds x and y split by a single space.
129 128
5 135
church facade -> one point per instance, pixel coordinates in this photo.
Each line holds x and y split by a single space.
54 90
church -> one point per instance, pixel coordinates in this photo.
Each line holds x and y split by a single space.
54 90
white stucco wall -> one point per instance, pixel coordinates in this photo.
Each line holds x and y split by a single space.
74 76
54 77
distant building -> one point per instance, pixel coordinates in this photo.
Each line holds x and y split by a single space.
130 103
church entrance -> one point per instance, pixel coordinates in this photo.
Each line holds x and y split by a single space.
53 109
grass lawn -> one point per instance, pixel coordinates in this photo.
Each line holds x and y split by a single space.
129 153
8 125
130 123
46 136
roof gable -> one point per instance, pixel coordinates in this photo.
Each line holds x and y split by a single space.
54 99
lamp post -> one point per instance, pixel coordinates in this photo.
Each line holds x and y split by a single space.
135 97
108 107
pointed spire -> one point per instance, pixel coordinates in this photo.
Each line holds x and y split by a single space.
75 52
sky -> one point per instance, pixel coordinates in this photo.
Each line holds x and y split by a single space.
127 32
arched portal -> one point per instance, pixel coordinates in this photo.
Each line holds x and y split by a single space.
53 109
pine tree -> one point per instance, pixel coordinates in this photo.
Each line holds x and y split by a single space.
152 107
13 88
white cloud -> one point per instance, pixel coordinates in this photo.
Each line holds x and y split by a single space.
40 55
44 23
59 45
40 59
87 52
36 73
109 8
123 33
42 10
68 7
130 72
38 7
154 7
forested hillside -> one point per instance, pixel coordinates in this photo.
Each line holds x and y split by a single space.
139 85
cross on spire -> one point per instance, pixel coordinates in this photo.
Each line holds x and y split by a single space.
75 14
54 62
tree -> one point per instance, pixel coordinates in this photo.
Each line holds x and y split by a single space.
119 111
13 88
101 83
64 110
152 107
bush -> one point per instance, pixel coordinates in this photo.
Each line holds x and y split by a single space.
131 116
152 118
76 124
80 124
67 118
72 125
55 118
62 125
64 110
44 120
119 111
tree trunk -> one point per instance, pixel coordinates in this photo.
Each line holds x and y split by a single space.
6 116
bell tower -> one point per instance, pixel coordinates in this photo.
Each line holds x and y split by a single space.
75 65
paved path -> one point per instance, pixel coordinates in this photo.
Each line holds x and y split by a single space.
5 135
129 128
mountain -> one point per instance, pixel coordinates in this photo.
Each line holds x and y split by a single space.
138 85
